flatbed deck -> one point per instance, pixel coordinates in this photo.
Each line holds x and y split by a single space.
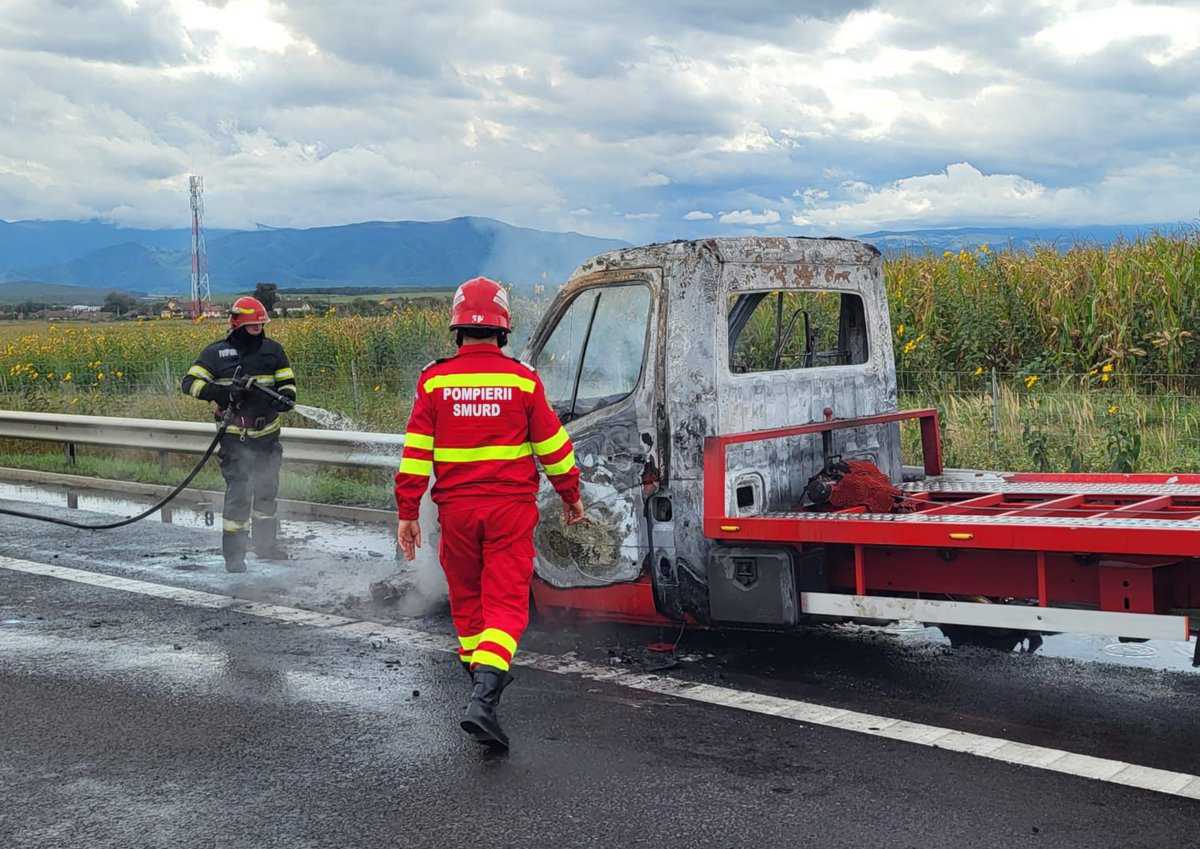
1098 544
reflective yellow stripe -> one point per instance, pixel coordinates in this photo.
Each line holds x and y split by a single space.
500 638
549 446
200 372
412 466
562 466
265 379
485 452
231 526
197 387
418 440
470 643
490 659
285 374
254 434
458 381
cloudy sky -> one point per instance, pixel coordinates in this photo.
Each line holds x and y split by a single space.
632 118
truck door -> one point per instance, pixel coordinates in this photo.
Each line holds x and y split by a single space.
594 353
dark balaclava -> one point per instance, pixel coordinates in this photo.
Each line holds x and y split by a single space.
244 342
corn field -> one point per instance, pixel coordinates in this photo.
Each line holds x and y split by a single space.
1085 360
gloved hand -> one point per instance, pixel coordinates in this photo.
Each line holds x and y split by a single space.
280 405
217 394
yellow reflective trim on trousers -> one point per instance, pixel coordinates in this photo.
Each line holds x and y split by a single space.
483 452
490 659
254 434
231 526
418 440
462 381
285 374
470 643
201 372
197 386
500 638
413 466
549 446
562 466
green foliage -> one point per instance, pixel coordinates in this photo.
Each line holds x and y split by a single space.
1134 306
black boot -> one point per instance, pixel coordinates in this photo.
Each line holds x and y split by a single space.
266 543
481 721
233 546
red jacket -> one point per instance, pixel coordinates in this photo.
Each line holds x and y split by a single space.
478 420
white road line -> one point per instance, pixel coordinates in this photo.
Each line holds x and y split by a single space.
931 736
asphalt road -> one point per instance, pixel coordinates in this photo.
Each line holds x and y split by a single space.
130 721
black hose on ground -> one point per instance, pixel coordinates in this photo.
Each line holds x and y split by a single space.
108 526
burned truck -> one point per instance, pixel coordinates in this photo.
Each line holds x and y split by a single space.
723 393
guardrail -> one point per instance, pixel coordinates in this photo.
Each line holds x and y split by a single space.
300 445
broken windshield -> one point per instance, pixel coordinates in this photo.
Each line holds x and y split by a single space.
594 356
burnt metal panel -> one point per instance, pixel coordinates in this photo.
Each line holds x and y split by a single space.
697 395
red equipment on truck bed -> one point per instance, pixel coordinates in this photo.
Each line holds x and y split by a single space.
1092 553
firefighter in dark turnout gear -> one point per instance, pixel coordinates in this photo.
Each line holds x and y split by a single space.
250 452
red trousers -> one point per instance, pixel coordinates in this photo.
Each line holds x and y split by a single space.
487 555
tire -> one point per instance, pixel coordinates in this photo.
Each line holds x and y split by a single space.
996 639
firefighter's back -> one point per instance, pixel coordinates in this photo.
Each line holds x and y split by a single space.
479 410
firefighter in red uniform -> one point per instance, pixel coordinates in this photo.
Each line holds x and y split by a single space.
479 419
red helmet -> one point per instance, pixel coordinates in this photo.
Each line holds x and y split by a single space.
247 310
480 302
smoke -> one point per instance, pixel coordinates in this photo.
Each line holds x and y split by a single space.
425 591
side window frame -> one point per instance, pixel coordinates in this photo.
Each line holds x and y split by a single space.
737 317
569 414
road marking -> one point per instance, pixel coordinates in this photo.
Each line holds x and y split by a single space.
811 713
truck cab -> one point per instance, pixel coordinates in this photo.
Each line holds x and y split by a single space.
647 352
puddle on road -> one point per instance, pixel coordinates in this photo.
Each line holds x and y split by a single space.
333 562
330 536
1153 654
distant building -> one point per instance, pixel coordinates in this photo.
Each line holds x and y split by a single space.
292 306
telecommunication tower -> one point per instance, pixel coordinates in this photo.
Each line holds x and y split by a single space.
200 291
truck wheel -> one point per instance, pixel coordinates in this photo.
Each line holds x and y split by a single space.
996 639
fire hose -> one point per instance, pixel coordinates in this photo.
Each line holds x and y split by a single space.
242 384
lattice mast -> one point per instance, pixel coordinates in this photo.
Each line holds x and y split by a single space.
201 296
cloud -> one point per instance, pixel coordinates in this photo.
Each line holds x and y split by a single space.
962 194
811 196
150 33
582 212
748 218
654 179
309 112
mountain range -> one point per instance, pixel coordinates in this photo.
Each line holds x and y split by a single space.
417 254
76 259
1017 238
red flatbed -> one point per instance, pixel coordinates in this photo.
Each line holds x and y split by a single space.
1103 543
